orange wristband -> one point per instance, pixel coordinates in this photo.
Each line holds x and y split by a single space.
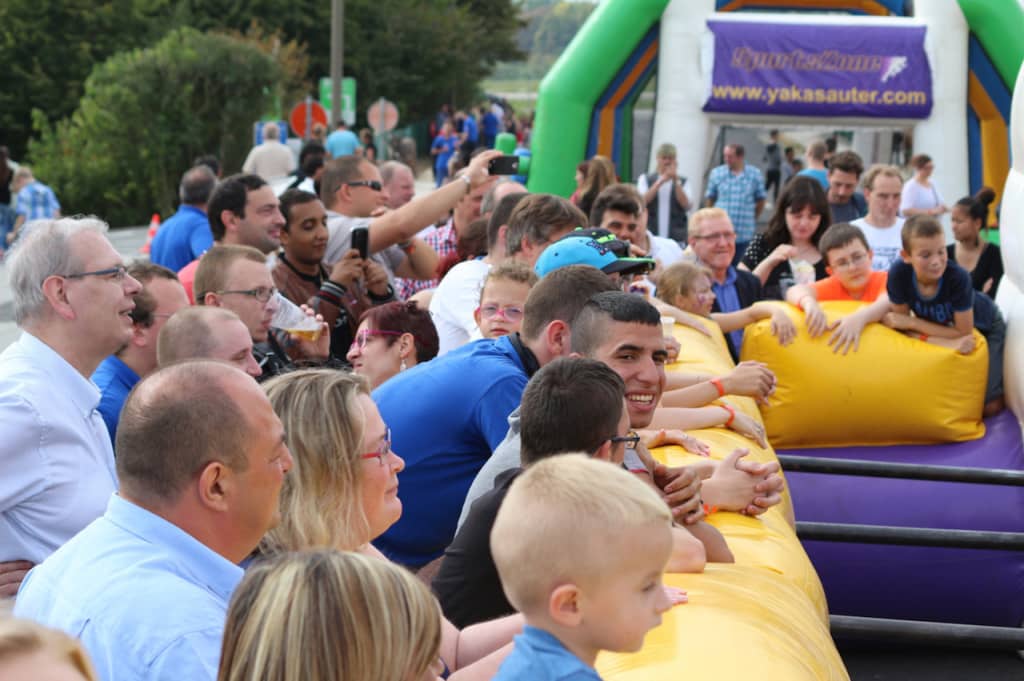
923 337
717 382
709 509
732 414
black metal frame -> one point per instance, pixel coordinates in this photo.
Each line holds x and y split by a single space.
912 631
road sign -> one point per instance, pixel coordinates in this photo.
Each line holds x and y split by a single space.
382 115
348 98
305 115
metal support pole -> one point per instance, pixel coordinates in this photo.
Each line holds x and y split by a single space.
927 633
910 536
337 57
886 469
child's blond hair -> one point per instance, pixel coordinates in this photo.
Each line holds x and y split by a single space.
510 270
680 279
561 522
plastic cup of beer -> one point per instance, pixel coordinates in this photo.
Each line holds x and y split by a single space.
291 318
667 326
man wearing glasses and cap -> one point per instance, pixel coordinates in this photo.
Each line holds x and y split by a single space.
73 302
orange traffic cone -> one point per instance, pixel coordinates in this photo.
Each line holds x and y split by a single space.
154 224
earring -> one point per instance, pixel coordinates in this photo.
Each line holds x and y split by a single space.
403 366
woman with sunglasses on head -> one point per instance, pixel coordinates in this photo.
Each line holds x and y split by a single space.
342 493
392 338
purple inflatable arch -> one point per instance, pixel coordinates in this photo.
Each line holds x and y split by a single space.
948 585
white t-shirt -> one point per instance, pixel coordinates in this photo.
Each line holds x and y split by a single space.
454 301
664 196
885 242
915 195
339 241
665 251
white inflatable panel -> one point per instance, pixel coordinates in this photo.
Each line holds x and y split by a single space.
678 117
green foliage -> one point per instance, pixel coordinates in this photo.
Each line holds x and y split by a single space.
558 27
145 115
48 47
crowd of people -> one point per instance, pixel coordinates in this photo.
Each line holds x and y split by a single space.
440 466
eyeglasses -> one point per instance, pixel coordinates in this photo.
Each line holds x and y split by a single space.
364 336
632 439
513 313
116 273
717 236
384 451
855 260
260 293
372 184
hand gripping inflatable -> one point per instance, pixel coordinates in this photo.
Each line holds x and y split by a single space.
765 616
893 390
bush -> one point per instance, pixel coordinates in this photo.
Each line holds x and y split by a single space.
145 115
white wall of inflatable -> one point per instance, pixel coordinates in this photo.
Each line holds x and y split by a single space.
684 77
1011 230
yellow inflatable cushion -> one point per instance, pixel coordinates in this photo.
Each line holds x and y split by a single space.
764 616
741 622
894 390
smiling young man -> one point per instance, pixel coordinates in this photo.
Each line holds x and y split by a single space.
243 211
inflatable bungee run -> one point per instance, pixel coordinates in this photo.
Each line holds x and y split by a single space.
895 400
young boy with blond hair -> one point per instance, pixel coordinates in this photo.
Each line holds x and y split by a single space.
580 546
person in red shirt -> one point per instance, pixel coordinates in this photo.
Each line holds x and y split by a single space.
848 256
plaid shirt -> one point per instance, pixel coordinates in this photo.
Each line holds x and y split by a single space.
36 201
737 194
443 240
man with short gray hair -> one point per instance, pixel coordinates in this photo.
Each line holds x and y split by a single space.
398 182
271 159
73 303
186 234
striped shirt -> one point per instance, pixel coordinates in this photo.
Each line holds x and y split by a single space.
737 194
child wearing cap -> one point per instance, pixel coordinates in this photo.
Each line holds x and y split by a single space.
580 547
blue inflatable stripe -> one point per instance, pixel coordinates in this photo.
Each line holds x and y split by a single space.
974 160
981 65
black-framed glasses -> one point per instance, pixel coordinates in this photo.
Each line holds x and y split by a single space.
632 439
385 449
260 293
372 184
116 273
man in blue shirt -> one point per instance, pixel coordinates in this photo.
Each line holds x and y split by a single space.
186 235
201 460
713 240
161 296
33 201
342 142
447 416
739 189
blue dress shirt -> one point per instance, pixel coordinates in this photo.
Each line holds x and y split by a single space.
184 237
729 301
115 379
56 462
147 599
538 656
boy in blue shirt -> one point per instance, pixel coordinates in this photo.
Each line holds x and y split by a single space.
932 299
580 546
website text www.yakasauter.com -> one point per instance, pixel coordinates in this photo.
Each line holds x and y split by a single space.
850 95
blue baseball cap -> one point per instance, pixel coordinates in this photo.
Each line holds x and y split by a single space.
586 247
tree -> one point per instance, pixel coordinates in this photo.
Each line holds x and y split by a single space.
48 47
145 115
559 26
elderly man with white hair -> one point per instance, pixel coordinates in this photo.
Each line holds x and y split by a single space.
72 300
271 159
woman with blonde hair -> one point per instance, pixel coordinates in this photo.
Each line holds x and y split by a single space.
330 616
342 493
32 651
